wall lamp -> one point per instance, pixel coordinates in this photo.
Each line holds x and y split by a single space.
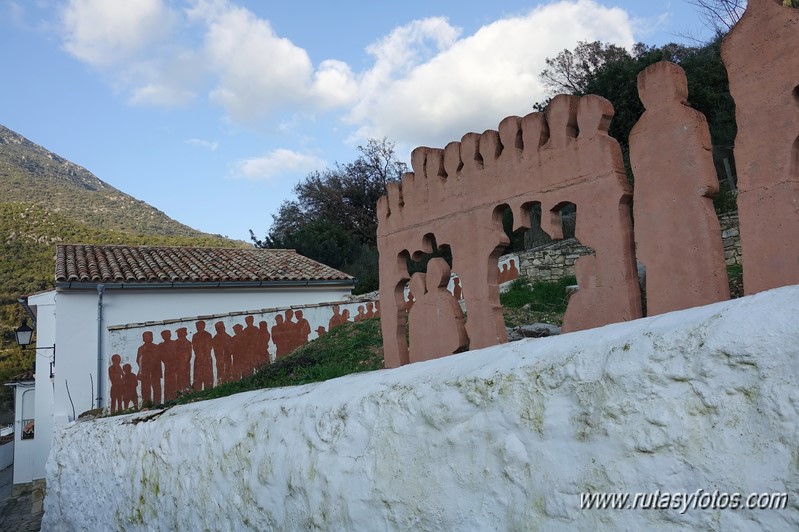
24 335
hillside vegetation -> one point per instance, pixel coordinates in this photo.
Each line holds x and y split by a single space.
46 200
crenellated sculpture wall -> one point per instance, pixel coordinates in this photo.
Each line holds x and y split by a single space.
455 197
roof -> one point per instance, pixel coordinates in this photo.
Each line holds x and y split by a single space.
27 376
170 266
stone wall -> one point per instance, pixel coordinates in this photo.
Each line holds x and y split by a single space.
505 438
556 260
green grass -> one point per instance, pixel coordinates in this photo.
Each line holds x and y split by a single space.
541 302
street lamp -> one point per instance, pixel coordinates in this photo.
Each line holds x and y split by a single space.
24 334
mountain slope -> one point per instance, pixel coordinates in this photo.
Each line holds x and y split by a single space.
44 200
31 174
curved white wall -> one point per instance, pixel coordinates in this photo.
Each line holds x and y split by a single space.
502 438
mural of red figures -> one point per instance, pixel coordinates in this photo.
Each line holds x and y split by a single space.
149 362
116 377
189 357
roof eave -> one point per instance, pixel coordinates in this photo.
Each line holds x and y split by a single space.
115 285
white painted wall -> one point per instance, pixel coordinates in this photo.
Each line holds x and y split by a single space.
45 338
24 450
68 319
504 438
6 455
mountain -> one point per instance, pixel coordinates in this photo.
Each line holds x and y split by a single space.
44 200
31 174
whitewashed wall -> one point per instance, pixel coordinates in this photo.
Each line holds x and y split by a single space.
68 319
24 450
504 438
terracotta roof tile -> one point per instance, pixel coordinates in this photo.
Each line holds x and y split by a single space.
24 377
146 264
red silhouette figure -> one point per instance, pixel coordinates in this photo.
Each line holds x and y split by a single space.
279 333
201 342
320 331
251 340
292 331
149 362
436 323
370 310
183 359
336 320
221 344
503 274
130 383
345 315
166 350
410 302
116 376
303 329
361 314
263 344
238 352
457 291
513 272
377 308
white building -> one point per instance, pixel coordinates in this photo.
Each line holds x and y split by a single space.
21 447
102 286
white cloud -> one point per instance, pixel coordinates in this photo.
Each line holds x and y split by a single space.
334 84
474 82
277 163
428 84
103 33
204 144
257 70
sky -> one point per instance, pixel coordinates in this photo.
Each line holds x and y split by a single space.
212 110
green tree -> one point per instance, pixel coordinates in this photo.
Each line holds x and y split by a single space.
615 78
333 218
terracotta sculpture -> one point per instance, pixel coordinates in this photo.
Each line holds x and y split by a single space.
538 158
436 321
675 181
761 65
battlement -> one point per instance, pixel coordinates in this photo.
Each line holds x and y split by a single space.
541 151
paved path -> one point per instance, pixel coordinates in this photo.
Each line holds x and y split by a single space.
15 512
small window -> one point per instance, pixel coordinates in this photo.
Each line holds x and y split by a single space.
28 426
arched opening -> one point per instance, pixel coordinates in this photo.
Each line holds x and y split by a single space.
417 263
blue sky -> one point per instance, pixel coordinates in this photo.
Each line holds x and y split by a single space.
211 110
